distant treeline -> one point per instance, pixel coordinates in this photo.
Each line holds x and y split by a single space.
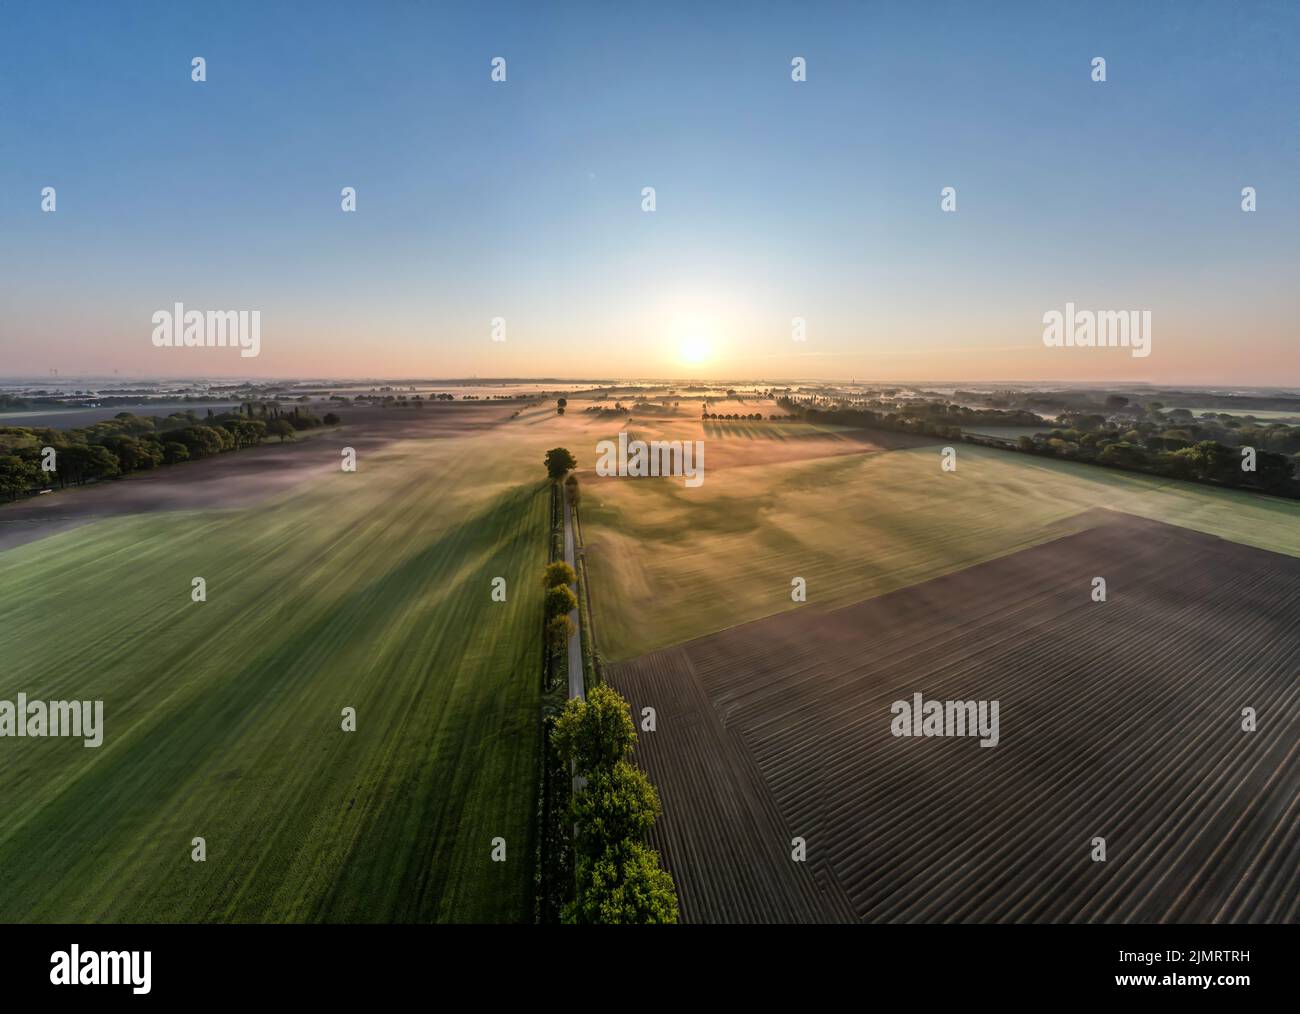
417 400
129 443
88 399
743 417
820 410
1156 445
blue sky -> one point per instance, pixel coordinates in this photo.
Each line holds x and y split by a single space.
774 199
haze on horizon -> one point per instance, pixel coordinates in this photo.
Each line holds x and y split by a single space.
774 199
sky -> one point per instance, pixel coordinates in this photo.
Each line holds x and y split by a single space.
774 199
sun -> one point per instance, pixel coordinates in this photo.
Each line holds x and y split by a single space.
694 351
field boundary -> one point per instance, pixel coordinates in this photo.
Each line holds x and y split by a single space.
593 664
553 857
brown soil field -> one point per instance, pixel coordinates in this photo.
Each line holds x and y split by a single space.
1120 719
241 478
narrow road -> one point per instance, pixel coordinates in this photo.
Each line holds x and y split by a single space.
575 639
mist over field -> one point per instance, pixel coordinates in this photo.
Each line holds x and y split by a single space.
473 470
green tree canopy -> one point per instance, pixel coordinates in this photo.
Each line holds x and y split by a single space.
559 573
85 461
625 886
560 601
558 461
558 631
17 476
618 804
595 733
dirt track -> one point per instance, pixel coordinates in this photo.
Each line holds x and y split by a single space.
239 478
1119 719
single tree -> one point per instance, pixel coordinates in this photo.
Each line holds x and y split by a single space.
616 805
560 601
558 573
596 733
625 886
558 461
558 631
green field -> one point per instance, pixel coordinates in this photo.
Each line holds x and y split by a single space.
669 563
366 590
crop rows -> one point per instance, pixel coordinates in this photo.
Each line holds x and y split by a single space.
1119 719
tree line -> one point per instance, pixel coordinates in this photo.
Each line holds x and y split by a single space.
1156 444
618 878
745 417
130 443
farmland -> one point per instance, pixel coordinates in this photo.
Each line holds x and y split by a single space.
329 590
673 563
366 590
1119 719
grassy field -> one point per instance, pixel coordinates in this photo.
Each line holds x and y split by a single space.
366 590
670 563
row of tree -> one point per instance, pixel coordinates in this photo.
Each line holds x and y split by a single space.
34 459
619 877
844 416
924 416
750 417
1154 448
1207 461
559 601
